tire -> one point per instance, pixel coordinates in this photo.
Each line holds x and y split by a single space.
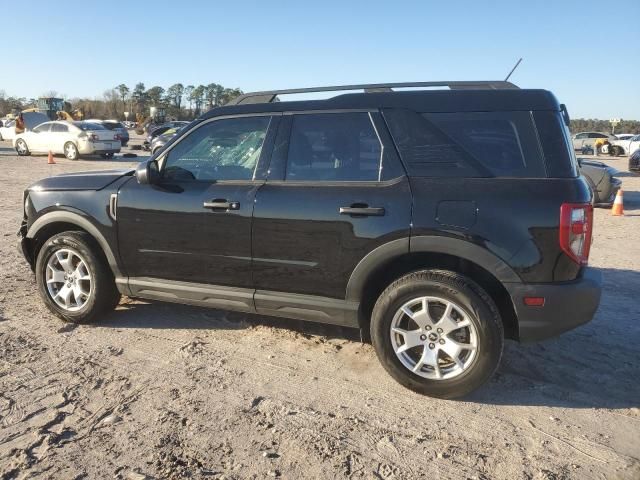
22 148
480 356
106 155
83 257
617 151
71 151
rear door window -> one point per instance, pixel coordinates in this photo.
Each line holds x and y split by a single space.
59 128
333 147
467 144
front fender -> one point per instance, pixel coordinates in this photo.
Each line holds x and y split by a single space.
77 219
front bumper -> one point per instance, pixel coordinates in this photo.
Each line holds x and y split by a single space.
567 305
24 246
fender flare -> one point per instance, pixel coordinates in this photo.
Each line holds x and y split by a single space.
78 220
387 252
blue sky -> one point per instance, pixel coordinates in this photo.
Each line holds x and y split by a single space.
586 52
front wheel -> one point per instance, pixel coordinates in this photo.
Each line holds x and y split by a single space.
71 151
438 333
74 279
21 148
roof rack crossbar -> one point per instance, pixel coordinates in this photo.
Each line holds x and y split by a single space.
270 95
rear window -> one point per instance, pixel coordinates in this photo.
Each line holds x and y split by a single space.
469 144
113 125
88 126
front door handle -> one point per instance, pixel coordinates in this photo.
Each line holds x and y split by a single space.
220 204
362 210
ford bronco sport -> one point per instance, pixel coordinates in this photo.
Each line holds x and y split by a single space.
440 221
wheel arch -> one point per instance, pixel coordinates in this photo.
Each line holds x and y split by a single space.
52 223
392 260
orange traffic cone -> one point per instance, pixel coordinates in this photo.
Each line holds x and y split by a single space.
618 208
50 159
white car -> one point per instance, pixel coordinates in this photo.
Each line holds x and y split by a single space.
625 136
625 146
69 138
31 120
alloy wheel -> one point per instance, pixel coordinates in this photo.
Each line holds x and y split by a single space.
69 280
434 338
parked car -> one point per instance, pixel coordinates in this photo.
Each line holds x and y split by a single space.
116 127
634 161
586 140
442 222
161 140
31 120
69 138
159 130
624 146
624 136
602 180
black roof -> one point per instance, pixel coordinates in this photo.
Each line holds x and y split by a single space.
434 101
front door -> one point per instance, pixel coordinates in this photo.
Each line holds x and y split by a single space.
336 191
193 226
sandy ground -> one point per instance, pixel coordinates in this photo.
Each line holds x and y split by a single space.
167 391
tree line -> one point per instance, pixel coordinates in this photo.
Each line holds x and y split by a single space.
595 125
179 101
185 103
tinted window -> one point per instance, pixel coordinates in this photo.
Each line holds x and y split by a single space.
219 150
59 128
580 136
88 126
556 144
42 128
333 146
475 144
597 135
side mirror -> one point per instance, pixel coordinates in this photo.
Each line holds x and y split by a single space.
147 172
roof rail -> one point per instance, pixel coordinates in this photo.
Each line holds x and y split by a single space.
271 95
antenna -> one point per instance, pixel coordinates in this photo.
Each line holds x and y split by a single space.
513 69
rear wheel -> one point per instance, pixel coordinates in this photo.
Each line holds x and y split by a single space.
74 279
106 155
21 147
437 333
71 151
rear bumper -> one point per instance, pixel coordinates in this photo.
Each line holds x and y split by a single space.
567 305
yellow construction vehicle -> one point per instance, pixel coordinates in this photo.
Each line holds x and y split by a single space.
69 117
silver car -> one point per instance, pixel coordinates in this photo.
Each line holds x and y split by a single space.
587 140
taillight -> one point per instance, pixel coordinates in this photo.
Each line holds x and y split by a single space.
93 137
116 137
576 227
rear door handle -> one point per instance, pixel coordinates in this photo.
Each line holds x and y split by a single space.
219 204
364 211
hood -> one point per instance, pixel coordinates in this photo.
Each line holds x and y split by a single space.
96 180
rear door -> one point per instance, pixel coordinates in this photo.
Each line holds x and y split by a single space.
58 137
335 192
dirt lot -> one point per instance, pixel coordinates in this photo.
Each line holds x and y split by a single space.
166 391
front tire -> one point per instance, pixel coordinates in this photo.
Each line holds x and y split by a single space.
74 279
71 151
21 148
437 333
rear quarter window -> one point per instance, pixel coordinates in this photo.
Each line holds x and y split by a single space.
467 144
557 146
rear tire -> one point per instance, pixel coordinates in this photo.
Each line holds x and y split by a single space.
74 279
106 155
71 151
472 332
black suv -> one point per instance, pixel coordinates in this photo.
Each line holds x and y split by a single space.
440 221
